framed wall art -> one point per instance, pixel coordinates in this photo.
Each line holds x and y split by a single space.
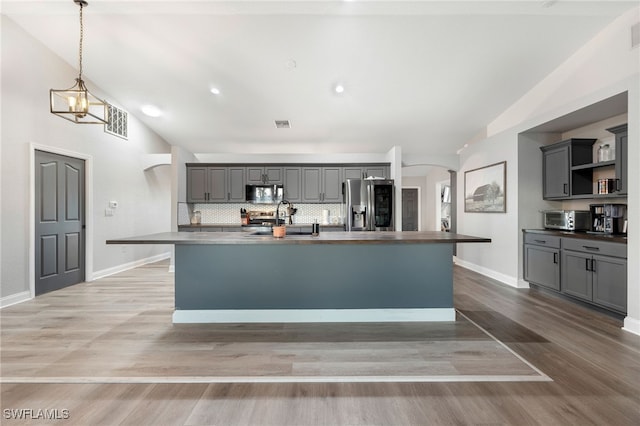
485 189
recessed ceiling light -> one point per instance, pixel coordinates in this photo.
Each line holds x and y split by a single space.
339 88
151 110
282 124
215 90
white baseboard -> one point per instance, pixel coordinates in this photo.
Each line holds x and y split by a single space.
505 279
127 266
13 299
632 325
313 315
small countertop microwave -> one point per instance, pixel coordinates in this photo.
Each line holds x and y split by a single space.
567 220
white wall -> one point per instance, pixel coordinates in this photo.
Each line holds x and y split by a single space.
606 66
29 70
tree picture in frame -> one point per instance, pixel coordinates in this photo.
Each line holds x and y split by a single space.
485 189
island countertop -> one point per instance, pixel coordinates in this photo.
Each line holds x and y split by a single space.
231 238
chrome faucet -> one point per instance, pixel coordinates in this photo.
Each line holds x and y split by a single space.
278 211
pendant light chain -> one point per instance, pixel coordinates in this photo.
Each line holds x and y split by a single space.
81 39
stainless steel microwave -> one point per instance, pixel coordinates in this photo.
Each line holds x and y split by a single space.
264 194
567 220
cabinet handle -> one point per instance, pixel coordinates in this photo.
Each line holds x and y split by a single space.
541 241
591 248
228 196
565 188
593 265
586 264
618 185
555 258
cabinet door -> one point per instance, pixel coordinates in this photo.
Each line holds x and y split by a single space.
576 275
610 282
292 184
273 175
352 173
311 184
542 266
217 184
376 172
621 162
255 175
332 185
236 190
197 191
555 173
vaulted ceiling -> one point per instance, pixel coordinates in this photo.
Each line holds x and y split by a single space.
424 75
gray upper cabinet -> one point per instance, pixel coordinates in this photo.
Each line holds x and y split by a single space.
236 183
215 184
353 173
292 184
197 185
322 184
220 183
264 175
566 170
311 184
621 157
364 171
332 184
555 172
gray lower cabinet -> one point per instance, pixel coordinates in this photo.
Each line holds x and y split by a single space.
542 260
591 270
596 272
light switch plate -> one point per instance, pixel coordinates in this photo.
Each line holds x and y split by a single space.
108 212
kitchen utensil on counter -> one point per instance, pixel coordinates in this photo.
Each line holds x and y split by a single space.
315 229
196 218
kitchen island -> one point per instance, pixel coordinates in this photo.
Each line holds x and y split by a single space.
332 277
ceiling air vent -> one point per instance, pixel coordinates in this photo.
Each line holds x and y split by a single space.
118 122
283 124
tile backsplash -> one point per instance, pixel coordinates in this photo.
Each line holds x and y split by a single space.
225 213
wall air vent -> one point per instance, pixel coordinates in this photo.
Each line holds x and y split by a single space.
635 35
118 122
283 124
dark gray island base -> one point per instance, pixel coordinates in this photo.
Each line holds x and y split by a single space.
335 277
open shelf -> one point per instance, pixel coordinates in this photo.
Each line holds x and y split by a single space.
594 165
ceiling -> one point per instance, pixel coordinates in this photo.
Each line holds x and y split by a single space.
424 75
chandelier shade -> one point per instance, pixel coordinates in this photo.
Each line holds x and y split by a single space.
76 103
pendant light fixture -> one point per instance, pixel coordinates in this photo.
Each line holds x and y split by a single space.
77 104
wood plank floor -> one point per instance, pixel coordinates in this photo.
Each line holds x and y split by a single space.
594 365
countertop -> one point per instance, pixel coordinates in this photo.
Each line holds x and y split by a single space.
410 237
580 234
237 225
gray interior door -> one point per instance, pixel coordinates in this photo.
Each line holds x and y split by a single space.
59 215
409 209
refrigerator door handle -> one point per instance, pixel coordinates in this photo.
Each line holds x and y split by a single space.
370 217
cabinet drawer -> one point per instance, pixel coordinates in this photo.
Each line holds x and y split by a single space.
595 247
542 240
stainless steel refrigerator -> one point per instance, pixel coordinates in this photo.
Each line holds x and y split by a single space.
370 204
